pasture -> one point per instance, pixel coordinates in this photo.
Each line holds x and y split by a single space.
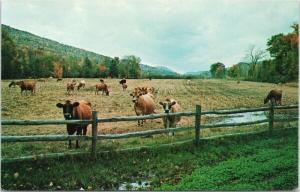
210 94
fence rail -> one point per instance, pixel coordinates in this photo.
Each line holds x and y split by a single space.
198 113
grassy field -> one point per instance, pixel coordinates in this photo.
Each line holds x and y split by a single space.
210 94
251 162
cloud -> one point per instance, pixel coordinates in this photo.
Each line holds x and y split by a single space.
184 35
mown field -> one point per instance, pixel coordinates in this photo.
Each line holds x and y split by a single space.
210 94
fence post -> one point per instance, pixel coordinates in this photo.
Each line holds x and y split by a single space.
197 124
271 117
94 134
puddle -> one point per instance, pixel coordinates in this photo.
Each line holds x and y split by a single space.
238 117
134 186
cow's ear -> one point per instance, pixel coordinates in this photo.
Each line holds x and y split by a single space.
131 94
140 94
161 103
173 103
59 105
75 104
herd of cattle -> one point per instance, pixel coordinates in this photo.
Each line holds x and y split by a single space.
142 97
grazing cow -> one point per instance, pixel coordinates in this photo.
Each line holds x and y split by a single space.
123 81
59 79
41 80
274 95
70 87
101 87
170 106
81 110
81 84
26 86
143 105
12 84
124 86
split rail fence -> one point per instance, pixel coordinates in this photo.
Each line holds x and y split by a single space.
95 120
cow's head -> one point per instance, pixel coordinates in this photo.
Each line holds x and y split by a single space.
67 108
135 96
167 105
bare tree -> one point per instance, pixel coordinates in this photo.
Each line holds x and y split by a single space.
253 56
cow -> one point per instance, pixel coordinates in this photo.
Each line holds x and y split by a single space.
12 84
143 105
81 110
124 86
81 84
70 87
274 95
26 86
122 81
59 79
101 80
41 80
101 87
170 106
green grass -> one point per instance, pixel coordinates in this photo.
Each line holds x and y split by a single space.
251 162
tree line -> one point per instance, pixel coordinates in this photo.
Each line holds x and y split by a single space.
281 67
29 62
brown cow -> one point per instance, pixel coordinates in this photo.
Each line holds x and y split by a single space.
124 86
274 95
26 86
78 110
101 87
170 106
70 87
143 105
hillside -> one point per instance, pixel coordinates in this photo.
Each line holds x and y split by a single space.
160 70
26 40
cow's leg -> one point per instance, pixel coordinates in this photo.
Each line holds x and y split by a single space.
84 130
79 132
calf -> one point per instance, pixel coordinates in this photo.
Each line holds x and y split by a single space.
123 81
124 86
170 106
81 110
26 86
70 87
143 105
81 84
102 87
274 95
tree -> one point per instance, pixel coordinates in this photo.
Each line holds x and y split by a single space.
113 70
87 68
284 50
253 56
9 68
233 71
58 70
217 70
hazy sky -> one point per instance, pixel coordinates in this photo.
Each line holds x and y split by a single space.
185 35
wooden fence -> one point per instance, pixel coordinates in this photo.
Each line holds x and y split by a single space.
95 120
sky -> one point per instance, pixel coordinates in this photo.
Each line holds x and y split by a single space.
184 35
